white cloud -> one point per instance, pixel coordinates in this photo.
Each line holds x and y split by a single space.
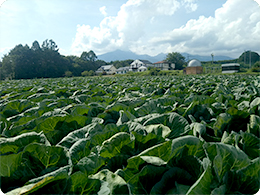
103 10
234 28
125 30
258 1
190 5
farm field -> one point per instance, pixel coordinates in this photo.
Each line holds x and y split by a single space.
131 135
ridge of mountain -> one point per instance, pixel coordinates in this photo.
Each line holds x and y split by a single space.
126 55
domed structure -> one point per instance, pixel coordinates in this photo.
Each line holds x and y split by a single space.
194 67
194 63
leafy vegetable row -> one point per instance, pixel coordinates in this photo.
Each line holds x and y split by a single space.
131 135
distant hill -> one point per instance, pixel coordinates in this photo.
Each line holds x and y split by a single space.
205 58
126 55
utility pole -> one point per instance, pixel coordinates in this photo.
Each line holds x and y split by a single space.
244 56
249 58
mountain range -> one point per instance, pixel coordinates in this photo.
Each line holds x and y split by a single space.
126 55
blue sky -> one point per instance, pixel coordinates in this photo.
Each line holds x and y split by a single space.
222 27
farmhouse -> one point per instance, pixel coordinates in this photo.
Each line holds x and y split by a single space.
135 65
122 70
142 69
164 65
108 69
194 67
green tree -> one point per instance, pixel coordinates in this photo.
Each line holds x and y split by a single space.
49 45
122 63
35 46
177 59
249 55
16 64
89 56
68 73
23 62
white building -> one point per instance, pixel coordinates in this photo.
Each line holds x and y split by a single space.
164 65
135 65
122 70
108 69
142 69
230 68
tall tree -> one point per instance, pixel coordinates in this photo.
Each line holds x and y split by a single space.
177 59
35 46
89 56
15 64
49 45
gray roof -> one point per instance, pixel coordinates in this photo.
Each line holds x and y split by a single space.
106 67
142 67
123 68
145 61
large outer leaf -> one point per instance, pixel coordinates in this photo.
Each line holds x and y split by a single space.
143 182
14 107
186 146
149 108
9 164
202 185
52 184
225 158
111 183
16 144
49 156
56 127
143 142
159 129
80 149
249 178
90 164
81 184
124 117
98 136
251 144
178 124
254 125
174 174
115 144
78 134
232 120
160 150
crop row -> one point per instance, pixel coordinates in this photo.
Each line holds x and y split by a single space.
131 135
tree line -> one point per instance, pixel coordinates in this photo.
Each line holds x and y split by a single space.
45 61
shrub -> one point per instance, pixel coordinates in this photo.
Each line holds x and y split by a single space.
68 74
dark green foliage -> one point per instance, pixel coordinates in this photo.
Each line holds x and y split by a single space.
130 135
177 59
45 61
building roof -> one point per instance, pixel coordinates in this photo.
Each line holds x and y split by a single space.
145 61
142 67
230 64
161 62
106 67
123 68
194 63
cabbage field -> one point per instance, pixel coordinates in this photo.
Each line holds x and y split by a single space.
131 135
